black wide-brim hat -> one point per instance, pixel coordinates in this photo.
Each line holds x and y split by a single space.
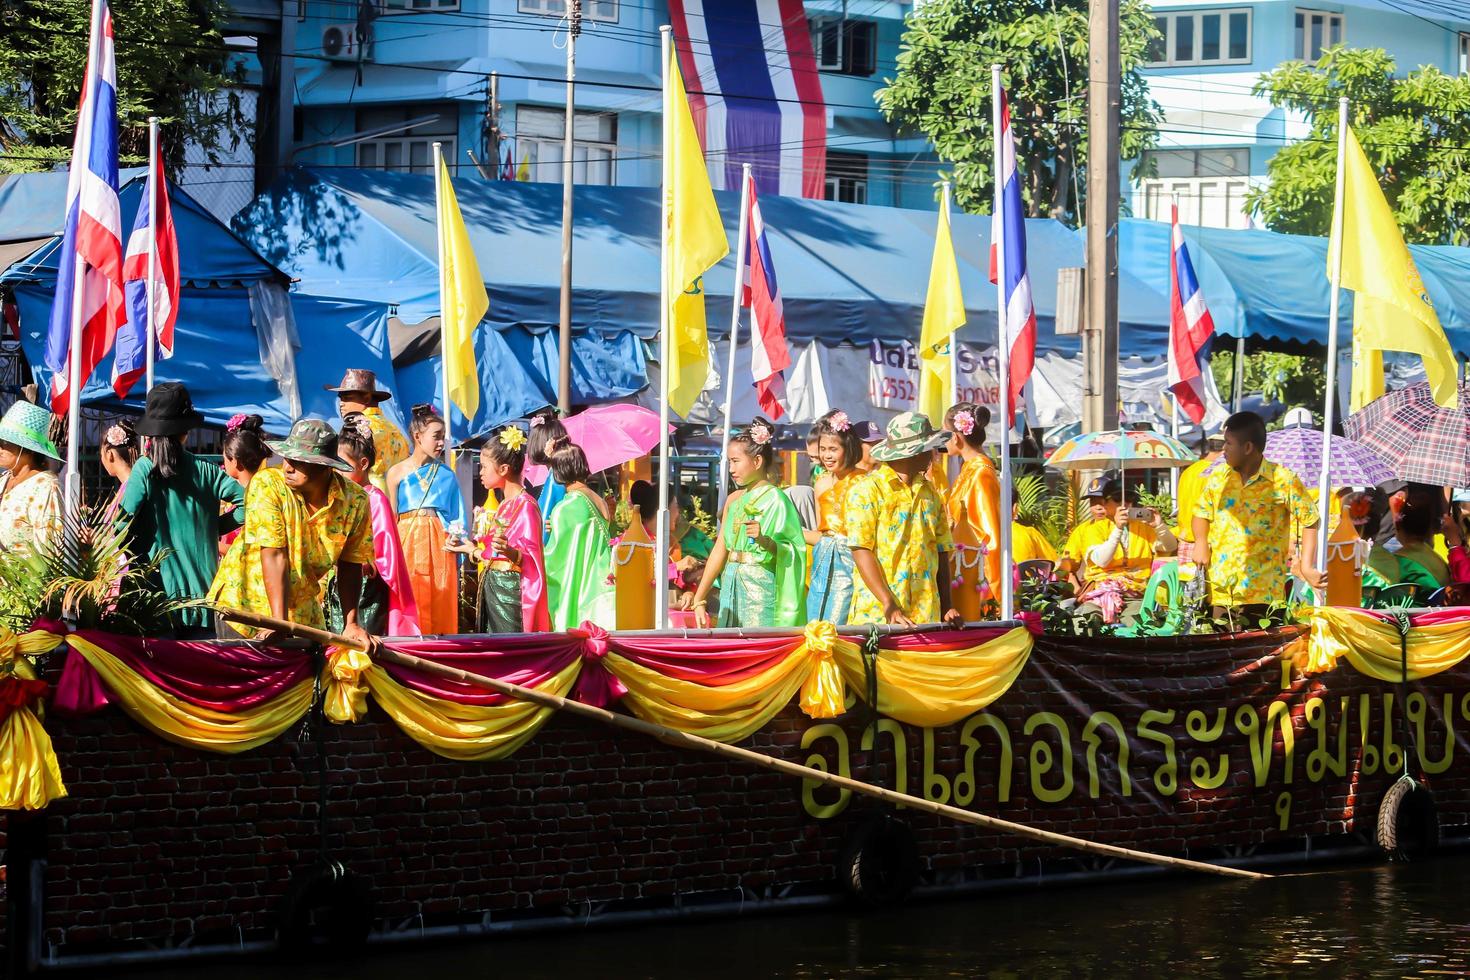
169 411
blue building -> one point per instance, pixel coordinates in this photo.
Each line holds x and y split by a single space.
1217 137
374 83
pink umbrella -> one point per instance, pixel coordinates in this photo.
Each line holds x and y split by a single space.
610 435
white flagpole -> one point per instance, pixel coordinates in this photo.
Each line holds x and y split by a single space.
1007 596
734 338
152 191
443 314
1174 431
74 393
954 338
665 470
1324 483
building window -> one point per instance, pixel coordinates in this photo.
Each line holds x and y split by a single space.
1316 31
601 10
1465 54
1208 185
1207 37
411 151
539 139
847 178
413 6
844 46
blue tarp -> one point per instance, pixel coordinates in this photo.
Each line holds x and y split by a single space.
217 350
847 272
1272 288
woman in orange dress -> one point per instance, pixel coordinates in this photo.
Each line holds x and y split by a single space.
431 513
974 512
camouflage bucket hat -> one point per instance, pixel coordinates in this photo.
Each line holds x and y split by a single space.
310 441
910 434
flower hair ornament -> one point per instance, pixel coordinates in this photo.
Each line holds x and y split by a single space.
537 420
759 432
116 436
963 422
840 422
362 427
512 438
236 420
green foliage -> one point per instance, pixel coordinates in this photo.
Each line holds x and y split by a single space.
1159 501
1415 131
171 63
85 575
1050 509
1287 379
942 90
701 519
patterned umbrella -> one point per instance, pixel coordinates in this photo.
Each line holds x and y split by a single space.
1118 448
1421 441
1349 463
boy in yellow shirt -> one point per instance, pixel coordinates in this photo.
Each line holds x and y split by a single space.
1111 556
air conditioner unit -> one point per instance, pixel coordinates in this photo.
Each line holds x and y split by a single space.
343 42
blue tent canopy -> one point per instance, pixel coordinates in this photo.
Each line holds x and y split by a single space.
217 346
851 273
1273 289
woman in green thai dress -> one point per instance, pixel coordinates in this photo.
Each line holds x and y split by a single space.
578 549
761 549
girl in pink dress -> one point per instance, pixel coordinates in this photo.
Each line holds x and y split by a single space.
386 606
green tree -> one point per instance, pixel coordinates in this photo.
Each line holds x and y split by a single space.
171 62
942 90
1415 131
1287 379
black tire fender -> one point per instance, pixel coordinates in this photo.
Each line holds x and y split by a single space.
326 906
1408 821
879 864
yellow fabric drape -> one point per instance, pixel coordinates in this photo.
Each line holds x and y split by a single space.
1372 645
346 686
30 774
725 714
468 733
179 721
933 688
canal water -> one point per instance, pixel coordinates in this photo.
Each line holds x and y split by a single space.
1384 920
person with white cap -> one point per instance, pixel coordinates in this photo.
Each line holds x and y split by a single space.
30 495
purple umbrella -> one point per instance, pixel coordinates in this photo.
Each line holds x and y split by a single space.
1349 463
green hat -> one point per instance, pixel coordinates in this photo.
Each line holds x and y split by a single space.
310 441
29 427
909 434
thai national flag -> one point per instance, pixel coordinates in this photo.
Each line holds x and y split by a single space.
89 277
754 91
769 355
1008 229
131 358
1190 329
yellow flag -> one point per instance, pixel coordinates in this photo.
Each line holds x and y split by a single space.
1391 309
462 299
523 172
695 238
944 313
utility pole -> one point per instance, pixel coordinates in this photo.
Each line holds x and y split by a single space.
1100 336
564 346
495 124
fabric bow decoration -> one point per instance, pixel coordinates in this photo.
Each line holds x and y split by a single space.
347 691
822 693
596 685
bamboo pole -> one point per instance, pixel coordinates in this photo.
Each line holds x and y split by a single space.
678 739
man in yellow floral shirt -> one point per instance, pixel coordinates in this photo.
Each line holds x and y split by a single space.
899 531
358 392
301 521
1243 523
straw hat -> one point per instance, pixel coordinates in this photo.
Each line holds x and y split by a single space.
29 427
